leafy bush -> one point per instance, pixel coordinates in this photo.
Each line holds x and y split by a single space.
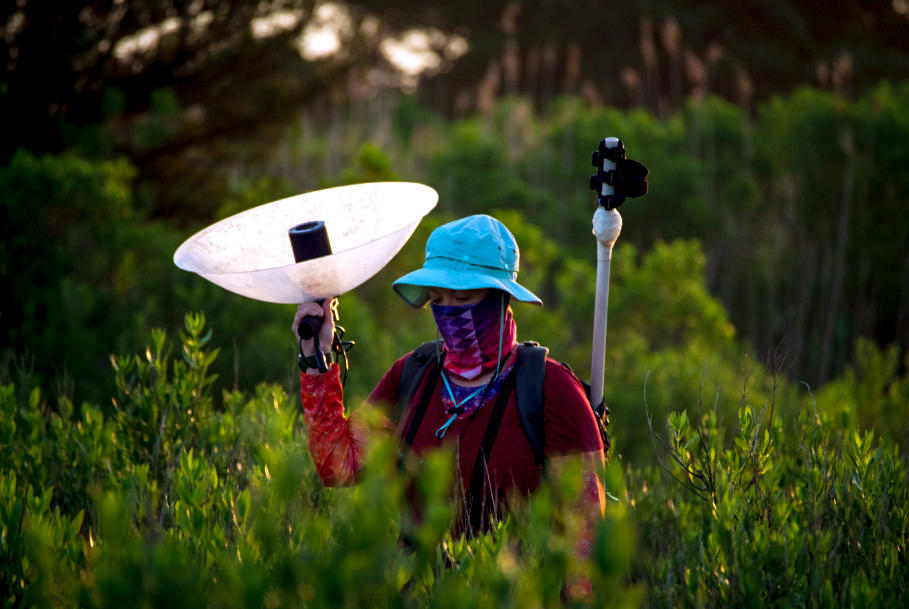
808 516
176 501
89 273
872 394
171 502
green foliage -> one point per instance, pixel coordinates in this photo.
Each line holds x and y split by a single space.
67 232
87 273
88 261
172 502
161 124
872 394
371 165
804 517
258 192
773 195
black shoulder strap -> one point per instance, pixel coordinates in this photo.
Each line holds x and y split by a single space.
531 370
410 433
415 368
480 501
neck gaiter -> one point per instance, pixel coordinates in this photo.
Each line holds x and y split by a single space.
471 335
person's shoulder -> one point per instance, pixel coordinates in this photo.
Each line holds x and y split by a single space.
562 389
569 421
399 364
394 374
386 391
559 373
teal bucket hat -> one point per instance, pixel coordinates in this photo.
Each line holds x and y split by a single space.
468 254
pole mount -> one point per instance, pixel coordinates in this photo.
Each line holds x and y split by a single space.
617 177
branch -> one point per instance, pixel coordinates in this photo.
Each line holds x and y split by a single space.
654 436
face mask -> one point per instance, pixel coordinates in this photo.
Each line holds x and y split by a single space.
471 335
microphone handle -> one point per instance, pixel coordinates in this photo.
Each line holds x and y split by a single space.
309 329
309 326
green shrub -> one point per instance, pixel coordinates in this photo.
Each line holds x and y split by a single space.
173 502
809 516
176 500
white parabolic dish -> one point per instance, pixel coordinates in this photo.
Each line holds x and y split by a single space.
250 253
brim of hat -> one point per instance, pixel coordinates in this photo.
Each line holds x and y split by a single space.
414 287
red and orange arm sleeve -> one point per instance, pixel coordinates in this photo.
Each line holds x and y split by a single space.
336 442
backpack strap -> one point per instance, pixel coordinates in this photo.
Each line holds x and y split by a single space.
420 363
415 368
480 500
410 433
531 371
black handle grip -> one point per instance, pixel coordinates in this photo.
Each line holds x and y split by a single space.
307 329
309 326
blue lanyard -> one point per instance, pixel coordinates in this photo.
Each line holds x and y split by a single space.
440 432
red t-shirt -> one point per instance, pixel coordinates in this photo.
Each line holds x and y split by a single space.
569 427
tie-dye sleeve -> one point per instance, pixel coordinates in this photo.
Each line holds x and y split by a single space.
336 442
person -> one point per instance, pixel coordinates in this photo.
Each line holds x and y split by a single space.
469 281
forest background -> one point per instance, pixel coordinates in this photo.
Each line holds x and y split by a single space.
773 243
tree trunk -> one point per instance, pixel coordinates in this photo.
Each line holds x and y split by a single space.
804 283
902 315
839 260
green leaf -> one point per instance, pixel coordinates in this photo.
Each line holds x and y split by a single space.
76 522
241 507
856 481
690 441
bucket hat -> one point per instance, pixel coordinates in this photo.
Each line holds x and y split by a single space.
468 254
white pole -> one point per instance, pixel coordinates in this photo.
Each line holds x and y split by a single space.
606 227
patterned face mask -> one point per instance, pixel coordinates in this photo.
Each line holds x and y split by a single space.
471 334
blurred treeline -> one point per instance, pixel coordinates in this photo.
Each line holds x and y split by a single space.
775 221
731 210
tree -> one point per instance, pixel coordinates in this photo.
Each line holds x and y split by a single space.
601 49
178 86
